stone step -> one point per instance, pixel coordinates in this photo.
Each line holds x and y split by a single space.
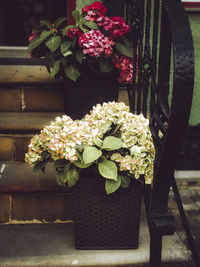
30 99
29 122
49 98
28 197
53 245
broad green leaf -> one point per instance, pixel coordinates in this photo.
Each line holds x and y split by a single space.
79 56
53 43
90 154
72 175
59 21
67 53
34 43
91 25
77 16
125 181
65 46
40 166
124 50
71 72
108 169
112 143
81 165
44 35
65 30
38 40
111 186
97 142
106 65
46 23
60 178
56 68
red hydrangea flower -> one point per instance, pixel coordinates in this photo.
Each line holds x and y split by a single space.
73 32
125 66
33 35
116 27
95 44
96 6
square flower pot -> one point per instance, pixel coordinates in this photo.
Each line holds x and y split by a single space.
106 221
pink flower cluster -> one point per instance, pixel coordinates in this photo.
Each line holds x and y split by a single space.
116 27
94 43
125 66
73 32
97 7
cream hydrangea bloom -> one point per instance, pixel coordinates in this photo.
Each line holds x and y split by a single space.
65 139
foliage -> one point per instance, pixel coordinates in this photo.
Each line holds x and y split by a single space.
111 140
102 42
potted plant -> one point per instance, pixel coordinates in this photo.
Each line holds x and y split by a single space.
107 155
91 56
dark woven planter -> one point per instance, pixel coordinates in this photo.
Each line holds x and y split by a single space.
89 90
106 221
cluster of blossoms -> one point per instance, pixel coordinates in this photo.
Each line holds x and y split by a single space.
94 35
94 43
125 66
66 139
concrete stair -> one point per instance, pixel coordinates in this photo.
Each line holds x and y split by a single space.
53 245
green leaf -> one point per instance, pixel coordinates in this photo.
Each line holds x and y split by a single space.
53 43
112 143
40 165
124 50
125 181
65 30
106 65
108 169
34 43
72 72
90 154
65 46
111 186
59 21
67 53
56 68
79 56
38 40
81 165
44 35
60 178
97 142
77 16
72 175
46 23
91 25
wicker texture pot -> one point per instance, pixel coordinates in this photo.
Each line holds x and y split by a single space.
106 221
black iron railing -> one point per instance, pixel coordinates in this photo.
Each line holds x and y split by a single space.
163 62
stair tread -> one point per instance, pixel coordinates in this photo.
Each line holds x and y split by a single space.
25 121
19 177
53 245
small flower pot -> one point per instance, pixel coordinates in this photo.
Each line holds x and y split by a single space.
88 90
106 221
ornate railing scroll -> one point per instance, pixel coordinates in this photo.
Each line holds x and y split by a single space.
163 62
